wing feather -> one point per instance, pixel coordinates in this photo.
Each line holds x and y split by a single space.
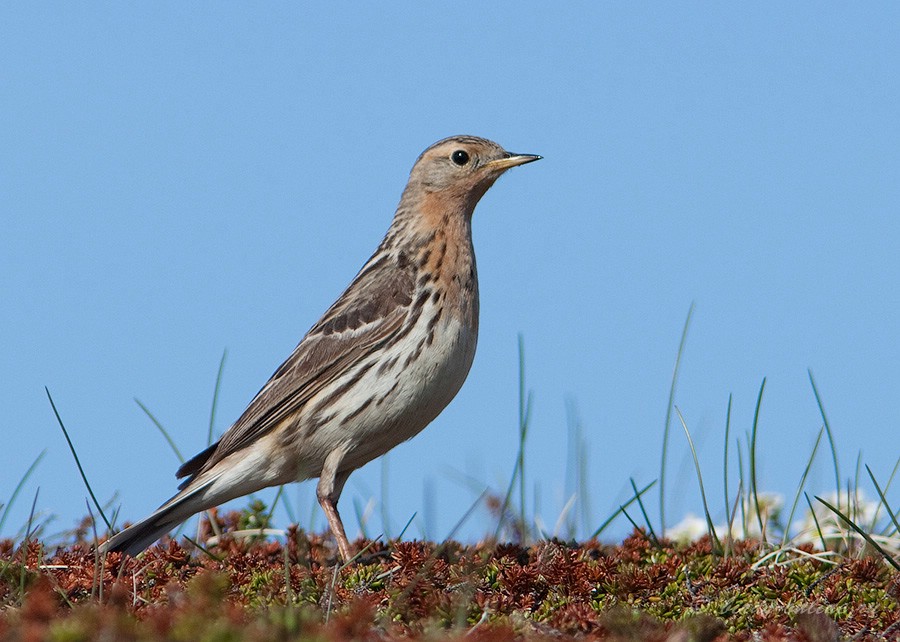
372 310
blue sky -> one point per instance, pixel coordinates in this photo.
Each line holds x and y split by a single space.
178 179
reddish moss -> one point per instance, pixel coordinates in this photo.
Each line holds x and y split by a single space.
421 590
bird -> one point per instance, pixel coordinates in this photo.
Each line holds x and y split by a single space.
383 361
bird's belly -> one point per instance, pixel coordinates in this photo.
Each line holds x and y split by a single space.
402 392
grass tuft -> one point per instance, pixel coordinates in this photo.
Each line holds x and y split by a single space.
754 487
862 533
800 487
653 585
84 478
525 403
711 529
621 510
215 400
834 455
18 489
669 408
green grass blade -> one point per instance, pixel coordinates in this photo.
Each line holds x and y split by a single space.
23 547
883 499
848 507
271 512
77 462
313 513
855 505
734 510
669 407
890 560
408 523
742 484
215 399
18 488
709 523
725 464
518 472
887 487
360 511
569 479
584 498
525 400
162 430
385 518
609 520
753 462
834 456
462 520
204 550
787 525
292 516
286 567
640 502
816 522
577 470
628 517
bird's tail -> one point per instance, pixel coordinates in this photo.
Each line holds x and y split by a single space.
140 536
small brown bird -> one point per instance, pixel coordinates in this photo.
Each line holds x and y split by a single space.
377 368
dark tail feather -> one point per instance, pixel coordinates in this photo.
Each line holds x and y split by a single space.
140 536
192 466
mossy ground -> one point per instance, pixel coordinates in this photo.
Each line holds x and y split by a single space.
261 589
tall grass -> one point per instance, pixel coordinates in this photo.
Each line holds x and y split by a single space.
518 474
670 406
84 478
7 506
839 524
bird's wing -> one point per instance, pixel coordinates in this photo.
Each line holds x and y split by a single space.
373 309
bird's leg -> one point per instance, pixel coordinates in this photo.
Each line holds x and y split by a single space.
337 528
328 491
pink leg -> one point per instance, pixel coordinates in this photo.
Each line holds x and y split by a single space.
328 491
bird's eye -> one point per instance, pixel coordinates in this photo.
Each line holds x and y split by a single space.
460 157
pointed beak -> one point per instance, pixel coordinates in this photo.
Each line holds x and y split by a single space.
502 164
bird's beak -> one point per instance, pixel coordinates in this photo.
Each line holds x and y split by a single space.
512 160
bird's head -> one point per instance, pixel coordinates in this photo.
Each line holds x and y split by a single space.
454 173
